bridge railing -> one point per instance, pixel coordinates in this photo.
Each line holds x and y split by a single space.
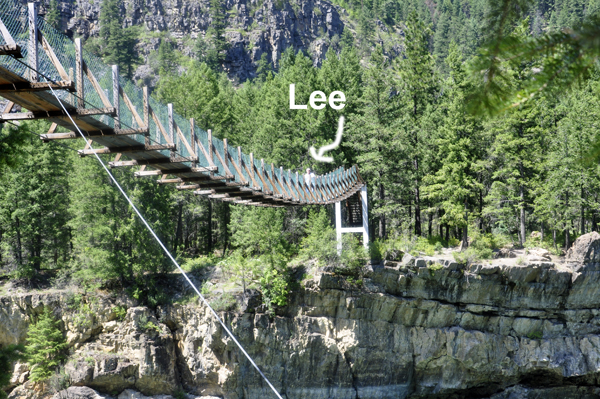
164 125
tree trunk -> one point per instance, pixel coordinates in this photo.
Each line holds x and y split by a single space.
447 233
19 243
481 211
582 213
382 232
465 234
430 226
594 222
209 238
542 230
554 239
522 212
567 239
178 230
417 212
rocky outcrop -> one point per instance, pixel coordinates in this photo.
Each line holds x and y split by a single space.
425 328
254 27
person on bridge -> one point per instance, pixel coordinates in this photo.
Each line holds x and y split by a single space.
309 179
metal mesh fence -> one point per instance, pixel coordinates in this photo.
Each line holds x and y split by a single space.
185 128
234 158
218 145
14 17
247 166
202 136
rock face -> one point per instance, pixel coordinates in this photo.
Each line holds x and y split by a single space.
426 328
254 27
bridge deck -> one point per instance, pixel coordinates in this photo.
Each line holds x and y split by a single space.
135 125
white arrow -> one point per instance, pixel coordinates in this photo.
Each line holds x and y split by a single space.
338 139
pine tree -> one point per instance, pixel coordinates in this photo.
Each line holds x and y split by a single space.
45 346
416 86
53 14
455 186
117 46
515 154
219 44
372 135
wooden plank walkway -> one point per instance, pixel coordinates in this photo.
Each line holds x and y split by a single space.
135 126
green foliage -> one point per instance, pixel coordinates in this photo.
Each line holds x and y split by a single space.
320 240
535 335
8 355
469 256
53 15
197 264
223 303
179 394
45 347
120 312
116 44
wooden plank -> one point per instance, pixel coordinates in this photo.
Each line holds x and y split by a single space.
53 114
262 178
188 187
204 192
6 35
218 196
117 157
95 85
146 114
11 49
53 58
32 52
143 173
22 87
79 74
140 148
116 87
170 122
169 181
52 128
94 133
9 106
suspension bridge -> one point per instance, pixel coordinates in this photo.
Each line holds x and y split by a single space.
117 117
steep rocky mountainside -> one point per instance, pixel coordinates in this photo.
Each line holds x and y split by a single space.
416 329
254 27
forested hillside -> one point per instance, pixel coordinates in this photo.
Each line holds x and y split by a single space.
436 172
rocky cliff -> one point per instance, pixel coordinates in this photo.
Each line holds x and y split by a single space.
254 27
423 328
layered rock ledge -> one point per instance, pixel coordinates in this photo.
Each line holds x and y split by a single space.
424 328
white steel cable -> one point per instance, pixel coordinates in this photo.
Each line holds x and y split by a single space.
167 251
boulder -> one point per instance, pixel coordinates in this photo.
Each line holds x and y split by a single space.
505 253
79 393
585 251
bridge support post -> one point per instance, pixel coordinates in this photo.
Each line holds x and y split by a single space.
364 229
32 53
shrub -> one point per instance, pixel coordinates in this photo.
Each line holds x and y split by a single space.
45 346
535 335
320 242
197 264
120 312
223 303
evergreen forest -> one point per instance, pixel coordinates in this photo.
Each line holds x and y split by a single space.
439 170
